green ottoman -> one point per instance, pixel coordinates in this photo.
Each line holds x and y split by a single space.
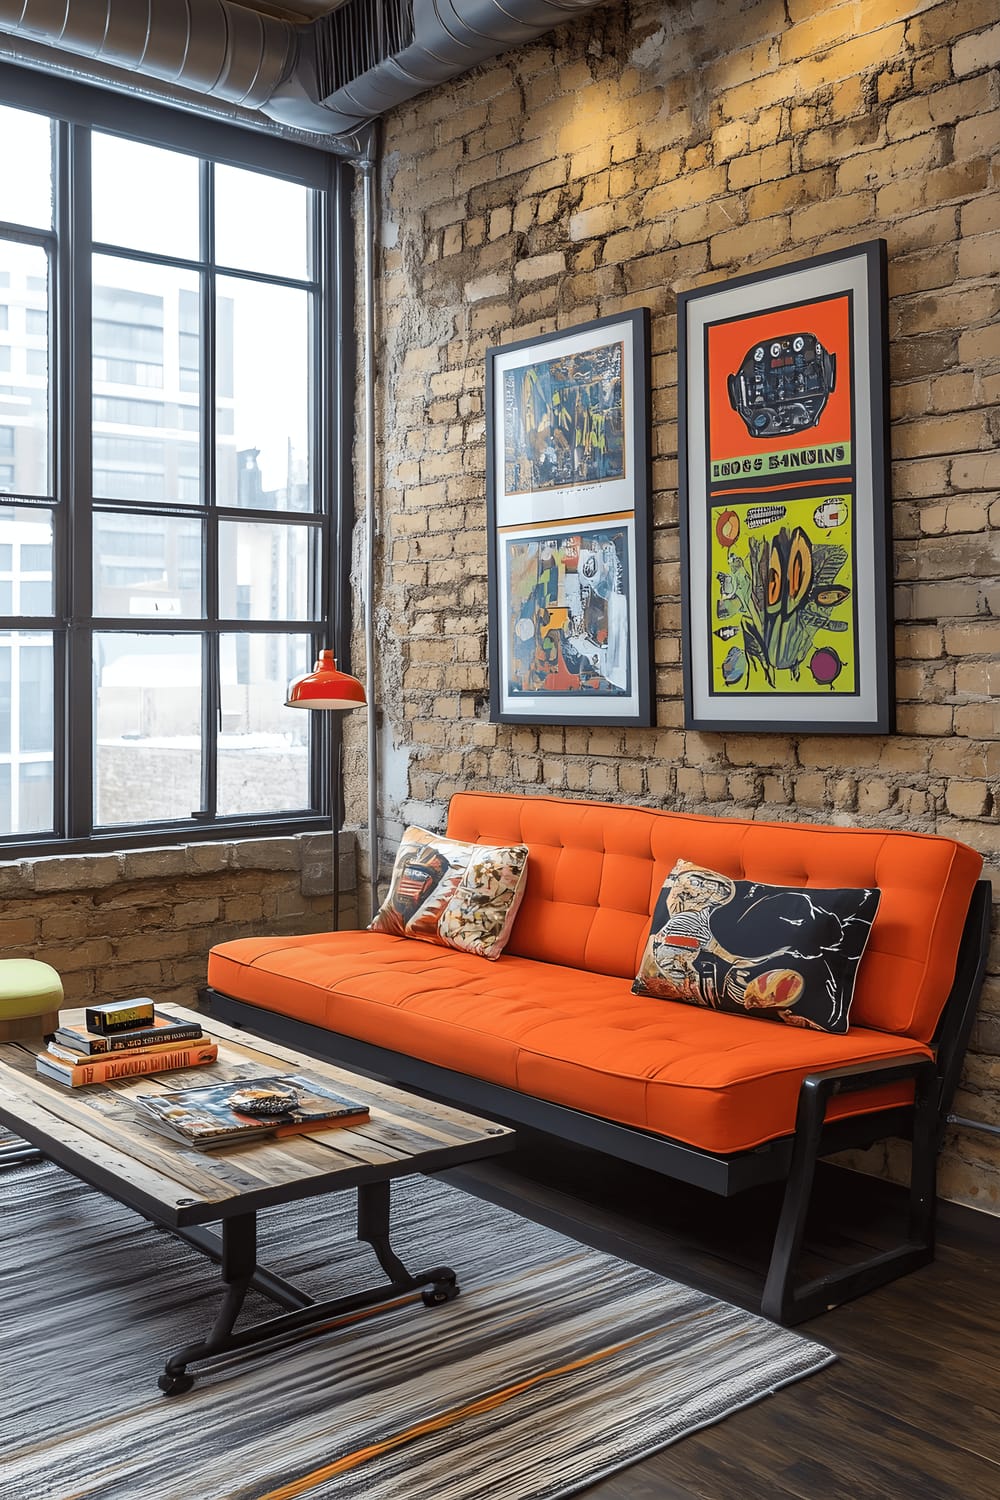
30 996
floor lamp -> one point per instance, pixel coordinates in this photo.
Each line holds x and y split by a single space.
327 688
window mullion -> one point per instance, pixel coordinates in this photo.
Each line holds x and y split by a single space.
211 678
75 429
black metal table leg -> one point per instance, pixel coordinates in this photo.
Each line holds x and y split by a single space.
275 1288
373 1226
239 1262
237 1255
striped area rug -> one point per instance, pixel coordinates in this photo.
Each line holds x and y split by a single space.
556 1366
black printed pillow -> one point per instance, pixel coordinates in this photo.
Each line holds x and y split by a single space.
777 952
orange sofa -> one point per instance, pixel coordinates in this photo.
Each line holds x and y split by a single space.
552 1035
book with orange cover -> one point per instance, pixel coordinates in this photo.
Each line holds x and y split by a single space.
67 1056
124 1065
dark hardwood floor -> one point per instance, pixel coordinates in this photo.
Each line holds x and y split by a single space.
911 1408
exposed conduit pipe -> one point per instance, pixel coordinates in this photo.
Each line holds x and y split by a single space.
366 170
973 1124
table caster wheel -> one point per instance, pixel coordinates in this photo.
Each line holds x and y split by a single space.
433 1296
175 1385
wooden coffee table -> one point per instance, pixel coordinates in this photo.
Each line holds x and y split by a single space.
98 1136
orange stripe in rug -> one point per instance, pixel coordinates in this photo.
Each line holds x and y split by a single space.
446 1419
361 1316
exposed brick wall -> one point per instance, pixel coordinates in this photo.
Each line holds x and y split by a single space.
141 922
647 148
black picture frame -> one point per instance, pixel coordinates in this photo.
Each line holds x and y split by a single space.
785 524
568 525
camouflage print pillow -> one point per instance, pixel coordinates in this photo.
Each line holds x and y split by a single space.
780 953
460 895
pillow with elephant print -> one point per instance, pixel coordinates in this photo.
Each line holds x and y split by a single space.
463 896
781 953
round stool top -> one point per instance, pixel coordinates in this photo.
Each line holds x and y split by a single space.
28 987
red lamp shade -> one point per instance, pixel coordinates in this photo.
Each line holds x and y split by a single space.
325 687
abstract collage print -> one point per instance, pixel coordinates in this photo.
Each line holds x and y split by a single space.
568 625
567 580
563 421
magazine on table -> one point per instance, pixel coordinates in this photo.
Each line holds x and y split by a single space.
223 1113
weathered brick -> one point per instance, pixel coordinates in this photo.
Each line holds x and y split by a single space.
976 471
964 758
971 54
750 241
942 435
978 721
22 931
948 310
977 638
74 874
953 182
978 678
924 718
874 797
979 255
484 287
840 211
813 33
979 345
767 165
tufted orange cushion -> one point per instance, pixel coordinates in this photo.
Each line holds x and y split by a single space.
595 870
721 1082
555 1017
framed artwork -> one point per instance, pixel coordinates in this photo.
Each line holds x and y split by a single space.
567 435
784 456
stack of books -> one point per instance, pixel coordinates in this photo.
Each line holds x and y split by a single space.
123 1039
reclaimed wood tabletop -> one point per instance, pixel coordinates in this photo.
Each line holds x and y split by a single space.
98 1133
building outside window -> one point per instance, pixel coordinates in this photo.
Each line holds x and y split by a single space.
165 555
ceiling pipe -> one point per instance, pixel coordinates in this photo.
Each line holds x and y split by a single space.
319 79
447 38
53 62
212 47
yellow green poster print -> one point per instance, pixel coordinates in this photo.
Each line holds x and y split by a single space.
783 616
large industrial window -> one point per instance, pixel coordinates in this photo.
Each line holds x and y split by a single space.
168 318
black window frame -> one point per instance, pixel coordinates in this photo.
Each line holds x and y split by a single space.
78 110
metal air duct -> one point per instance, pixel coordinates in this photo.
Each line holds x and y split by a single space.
327 78
370 55
210 47
431 42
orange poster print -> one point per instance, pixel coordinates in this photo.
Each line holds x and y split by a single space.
784 470
779 383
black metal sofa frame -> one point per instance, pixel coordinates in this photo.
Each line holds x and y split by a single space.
790 1159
